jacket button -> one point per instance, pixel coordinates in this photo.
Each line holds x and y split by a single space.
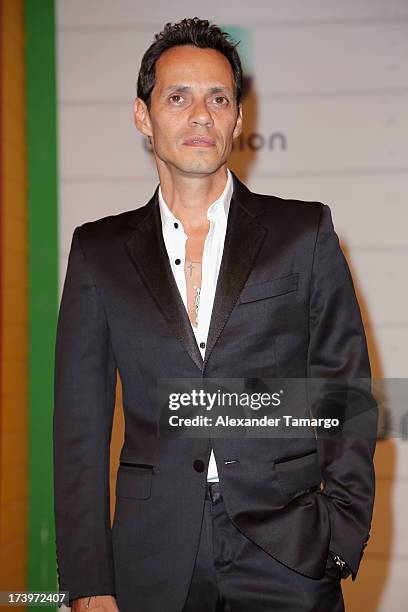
199 465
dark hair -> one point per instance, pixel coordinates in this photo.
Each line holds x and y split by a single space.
198 33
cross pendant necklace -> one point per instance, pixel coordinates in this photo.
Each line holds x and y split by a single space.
190 266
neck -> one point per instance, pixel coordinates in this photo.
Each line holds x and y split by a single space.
190 196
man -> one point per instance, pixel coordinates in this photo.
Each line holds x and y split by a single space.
207 280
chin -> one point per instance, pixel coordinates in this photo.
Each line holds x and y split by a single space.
200 166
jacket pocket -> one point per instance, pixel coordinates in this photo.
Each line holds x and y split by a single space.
270 288
299 473
134 480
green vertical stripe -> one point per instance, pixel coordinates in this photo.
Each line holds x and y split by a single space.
1 228
43 283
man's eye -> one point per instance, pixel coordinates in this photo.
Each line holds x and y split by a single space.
176 98
221 100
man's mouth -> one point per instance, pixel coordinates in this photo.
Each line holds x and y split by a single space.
199 141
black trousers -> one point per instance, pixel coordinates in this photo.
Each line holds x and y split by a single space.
233 574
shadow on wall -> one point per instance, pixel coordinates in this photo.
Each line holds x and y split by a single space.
366 592
242 158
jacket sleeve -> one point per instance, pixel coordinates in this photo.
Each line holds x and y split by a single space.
84 400
338 349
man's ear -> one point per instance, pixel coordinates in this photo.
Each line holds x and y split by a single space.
238 126
142 117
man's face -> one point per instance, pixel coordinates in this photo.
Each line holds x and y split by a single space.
193 116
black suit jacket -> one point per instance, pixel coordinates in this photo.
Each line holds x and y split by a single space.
285 306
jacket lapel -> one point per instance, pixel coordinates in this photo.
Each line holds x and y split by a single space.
243 240
147 250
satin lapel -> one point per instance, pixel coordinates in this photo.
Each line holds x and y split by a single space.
243 240
148 252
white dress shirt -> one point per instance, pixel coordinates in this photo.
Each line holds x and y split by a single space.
175 240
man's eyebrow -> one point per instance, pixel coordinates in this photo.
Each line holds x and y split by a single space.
187 88
178 87
220 89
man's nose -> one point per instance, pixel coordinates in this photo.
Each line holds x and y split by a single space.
200 114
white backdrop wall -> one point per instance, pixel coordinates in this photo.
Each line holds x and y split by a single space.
326 120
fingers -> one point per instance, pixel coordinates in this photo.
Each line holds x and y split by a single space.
96 603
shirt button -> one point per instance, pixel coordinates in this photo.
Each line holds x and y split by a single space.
198 465
177 261
176 225
202 344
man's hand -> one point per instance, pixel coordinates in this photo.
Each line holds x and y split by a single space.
102 603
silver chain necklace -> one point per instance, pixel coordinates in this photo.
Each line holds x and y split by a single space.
196 288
